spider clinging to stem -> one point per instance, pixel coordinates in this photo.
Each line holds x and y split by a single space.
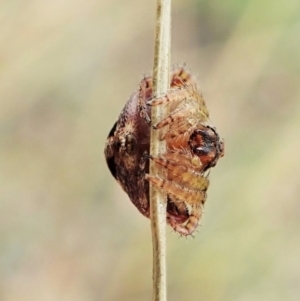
193 147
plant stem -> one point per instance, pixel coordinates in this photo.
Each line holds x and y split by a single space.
157 203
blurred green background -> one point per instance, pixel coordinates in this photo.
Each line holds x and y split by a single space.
67 230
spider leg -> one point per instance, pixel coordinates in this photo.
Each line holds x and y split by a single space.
174 95
183 127
175 116
189 177
191 114
193 213
145 93
188 195
189 226
181 77
144 114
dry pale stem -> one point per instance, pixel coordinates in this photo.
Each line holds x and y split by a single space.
157 203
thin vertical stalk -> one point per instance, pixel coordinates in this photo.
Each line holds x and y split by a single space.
157 203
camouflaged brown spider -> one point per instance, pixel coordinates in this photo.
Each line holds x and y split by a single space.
193 147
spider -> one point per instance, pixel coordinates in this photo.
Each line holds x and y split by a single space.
193 147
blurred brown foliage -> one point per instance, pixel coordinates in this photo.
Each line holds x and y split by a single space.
67 231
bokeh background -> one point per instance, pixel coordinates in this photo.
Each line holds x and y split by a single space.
67 230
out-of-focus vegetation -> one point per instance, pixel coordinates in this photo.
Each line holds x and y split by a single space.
67 231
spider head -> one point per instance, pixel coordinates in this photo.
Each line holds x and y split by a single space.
206 143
